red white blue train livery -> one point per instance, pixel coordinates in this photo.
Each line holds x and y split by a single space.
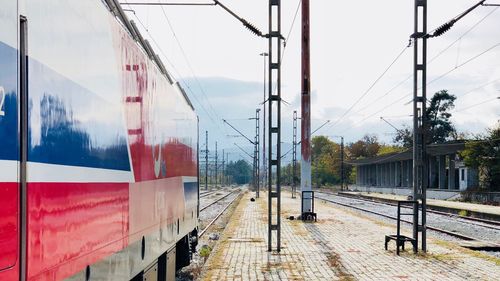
98 148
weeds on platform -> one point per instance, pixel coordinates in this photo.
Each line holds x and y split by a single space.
469 252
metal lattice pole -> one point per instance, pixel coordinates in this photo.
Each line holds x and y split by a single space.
257 151
216 164
419 119
294 155
274 106
206 160
222 181
342 172
264 164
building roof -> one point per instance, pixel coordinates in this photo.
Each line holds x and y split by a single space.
432 149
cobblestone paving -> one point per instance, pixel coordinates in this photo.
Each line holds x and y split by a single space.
342 245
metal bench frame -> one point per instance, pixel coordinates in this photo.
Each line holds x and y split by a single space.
402 239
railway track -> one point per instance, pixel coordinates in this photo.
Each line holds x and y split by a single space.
207 193
484 223
220 213
217 200
493 230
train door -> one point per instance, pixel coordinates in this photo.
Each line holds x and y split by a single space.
9 143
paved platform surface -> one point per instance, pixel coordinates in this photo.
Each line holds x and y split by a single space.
478 208
342 245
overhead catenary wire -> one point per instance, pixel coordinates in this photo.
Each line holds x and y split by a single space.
477 104
177 73
464 63
408 95
285 45
448 25
439 54
290 30
372 85
190 66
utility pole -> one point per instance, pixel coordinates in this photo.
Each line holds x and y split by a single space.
294 154
305 165
264 164
420 169
206 160
342 172
257 152
274 106
216 165
222 182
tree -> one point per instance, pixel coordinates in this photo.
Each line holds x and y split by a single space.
404 137
326 162
484 155
240 171
388 149
438 116
367 147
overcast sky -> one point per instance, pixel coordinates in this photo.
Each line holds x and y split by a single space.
352 43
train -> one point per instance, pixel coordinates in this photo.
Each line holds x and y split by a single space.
98 148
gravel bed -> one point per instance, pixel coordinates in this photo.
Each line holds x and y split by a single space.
194 270
449 223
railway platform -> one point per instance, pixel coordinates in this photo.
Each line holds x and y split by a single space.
342 245
454 207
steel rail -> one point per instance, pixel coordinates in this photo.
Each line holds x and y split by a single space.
216 201
454 234
492 224
205 194
218 215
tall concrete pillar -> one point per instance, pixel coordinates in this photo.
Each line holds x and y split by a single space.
398 174
433 172
384 178
403 173
442 171
360 175
386 171
410 173
364 175
395 174
370 173
389 174
451 171
358 168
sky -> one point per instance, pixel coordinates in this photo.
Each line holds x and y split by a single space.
352 44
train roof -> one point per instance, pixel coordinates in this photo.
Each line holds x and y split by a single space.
116 9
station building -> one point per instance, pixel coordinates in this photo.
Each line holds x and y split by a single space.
393 173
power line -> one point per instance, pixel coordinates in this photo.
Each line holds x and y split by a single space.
286 41
434 80
464 63
371 86
477 104
291 28
461 36
173 66
189 65
440 53
479 87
